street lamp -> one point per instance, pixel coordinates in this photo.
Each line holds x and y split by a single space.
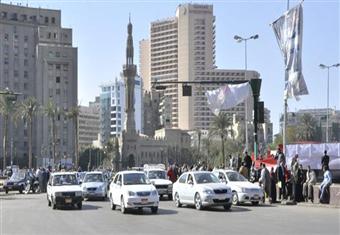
240 39
322 66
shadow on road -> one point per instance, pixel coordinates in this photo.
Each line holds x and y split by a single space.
84 208
147 211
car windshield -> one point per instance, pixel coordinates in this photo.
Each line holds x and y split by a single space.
156 175
205 178
134 178
17 176
235 176
59 180
93 178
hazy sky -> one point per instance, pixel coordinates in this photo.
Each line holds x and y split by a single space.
99 32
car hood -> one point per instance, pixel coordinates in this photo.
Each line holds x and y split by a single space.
92 184
243 184
160 181
66 188
139 188
213 186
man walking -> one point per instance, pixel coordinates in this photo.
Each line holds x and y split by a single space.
265 179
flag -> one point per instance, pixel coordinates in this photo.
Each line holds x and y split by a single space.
288 32
227 96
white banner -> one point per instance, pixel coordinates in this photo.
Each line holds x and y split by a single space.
288 31
228 97
311 154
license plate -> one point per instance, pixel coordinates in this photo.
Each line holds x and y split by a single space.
256 197
144 200
68 200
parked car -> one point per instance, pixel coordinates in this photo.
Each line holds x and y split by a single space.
131 189
63 189
243 190
17 182
94 185
202 189
157 176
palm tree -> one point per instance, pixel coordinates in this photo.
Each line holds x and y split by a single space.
51 111
7 107
27 110
307 128
73 114
220 127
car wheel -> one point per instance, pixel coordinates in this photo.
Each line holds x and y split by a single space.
198 202
255 203
79 205
113 206
235 199
154 209
27 189
6 190
21 189
122 206
54 205
170 196
48 202
227 207
177 201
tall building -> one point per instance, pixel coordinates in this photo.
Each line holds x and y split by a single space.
112 108
144 71
37 59
182 48
89 123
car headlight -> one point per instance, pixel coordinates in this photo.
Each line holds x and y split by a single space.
131 194
208 191
79 194
169 186
154 193
57 194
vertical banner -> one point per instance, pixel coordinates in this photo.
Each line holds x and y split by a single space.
288 31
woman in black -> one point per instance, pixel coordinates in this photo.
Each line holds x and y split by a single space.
272 185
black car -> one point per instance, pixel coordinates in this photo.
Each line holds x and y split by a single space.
17 182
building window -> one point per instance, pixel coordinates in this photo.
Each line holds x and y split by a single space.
16 73
46 20
57 66
65 67
57 54
6 36
55 35
25 74
25 86
53 20
57 79
49 35
25 62
57 91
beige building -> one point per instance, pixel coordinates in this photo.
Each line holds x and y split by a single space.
89 123
144 71
182 48
37 59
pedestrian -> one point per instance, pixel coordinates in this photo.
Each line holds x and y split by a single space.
264 180
280 157
295 176
325 160
171 174
273 181
301 180
247 160
253 173
307 188
281 179
324 186
244 170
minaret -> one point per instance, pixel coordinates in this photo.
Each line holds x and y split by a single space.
129 70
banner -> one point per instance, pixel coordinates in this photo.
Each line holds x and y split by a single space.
228 97
311 154
288 31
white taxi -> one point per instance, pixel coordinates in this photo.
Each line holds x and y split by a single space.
131 189
202 189
63 189
243 190
94 185
157 175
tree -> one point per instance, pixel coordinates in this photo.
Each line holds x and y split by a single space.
220 127
27 110
51 111
7 107
307 130
73 114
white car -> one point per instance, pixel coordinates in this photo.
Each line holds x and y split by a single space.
243 190
131 189
63 189
94 185
202 189
157 177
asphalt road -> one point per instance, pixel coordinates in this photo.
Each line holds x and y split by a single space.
29 214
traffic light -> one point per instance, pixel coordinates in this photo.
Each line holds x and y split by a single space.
260 112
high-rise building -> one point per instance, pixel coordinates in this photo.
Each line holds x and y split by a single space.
182 49
144 71
112 108
89 123
37 59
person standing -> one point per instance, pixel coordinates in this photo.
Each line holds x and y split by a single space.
294 167
244 170
280 157
247 160
273 181
281 178
325 160
264 180
307 188
324 186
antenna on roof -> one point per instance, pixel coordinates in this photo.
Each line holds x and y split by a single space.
129 17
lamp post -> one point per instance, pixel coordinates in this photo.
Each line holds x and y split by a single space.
240 39
322 66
